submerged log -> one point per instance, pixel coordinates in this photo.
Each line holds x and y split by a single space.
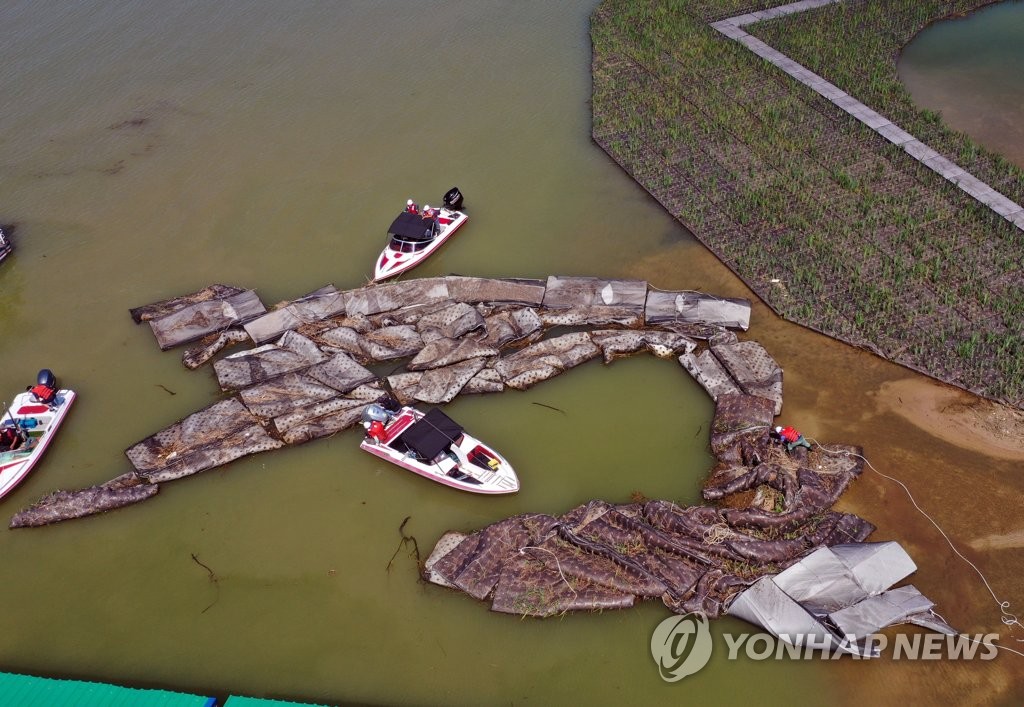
65 505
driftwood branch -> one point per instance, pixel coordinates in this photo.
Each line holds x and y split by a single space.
405 542
213 579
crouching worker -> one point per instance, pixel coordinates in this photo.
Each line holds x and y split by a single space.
791 438
9 439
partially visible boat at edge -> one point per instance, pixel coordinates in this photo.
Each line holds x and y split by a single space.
415 235
34 422
6 247
434 446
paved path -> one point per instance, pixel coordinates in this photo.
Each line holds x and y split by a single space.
733 28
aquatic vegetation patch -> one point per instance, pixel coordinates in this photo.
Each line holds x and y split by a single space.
830 224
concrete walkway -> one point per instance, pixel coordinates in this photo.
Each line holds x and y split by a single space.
733 28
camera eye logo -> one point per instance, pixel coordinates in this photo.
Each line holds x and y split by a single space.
681 645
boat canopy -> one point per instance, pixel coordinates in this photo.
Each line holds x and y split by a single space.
413 227
431 434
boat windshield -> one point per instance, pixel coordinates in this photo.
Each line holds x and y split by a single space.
403 245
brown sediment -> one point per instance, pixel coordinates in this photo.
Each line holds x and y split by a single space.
956 416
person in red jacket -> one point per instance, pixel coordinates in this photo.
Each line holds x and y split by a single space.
9 439
791 438
410 207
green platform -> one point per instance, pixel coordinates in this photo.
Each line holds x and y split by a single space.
29 691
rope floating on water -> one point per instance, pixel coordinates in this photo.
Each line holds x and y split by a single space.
1007 618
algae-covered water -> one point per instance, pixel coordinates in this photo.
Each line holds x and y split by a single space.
148 149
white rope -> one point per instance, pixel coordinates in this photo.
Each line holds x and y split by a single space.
990 645
1007 618
575 594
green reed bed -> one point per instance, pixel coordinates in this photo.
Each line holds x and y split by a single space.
829 223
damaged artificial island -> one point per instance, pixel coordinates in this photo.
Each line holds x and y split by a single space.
769 521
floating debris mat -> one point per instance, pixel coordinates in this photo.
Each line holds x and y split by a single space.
65 505
396 295
293 352
739 420
546 359
751 366
210 346
321 304
306 376
213 436
164 307
601 556
499 291
697 308
194 321
591 301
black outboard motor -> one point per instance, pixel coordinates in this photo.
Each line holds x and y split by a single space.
47 378
453 199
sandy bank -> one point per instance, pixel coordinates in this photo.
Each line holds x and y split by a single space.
956 416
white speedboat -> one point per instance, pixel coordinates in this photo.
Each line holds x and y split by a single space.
416 234
433 445
27 427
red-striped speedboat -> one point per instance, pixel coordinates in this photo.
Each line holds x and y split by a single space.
416 234
433 445
35 424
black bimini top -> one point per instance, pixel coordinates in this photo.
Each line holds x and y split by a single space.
434 432
413 227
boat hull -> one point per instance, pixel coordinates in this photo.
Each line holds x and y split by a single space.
16 465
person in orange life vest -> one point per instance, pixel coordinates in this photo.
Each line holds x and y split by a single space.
429 212
410 207
9 439
42 393
791 438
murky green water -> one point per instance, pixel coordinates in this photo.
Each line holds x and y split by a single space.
972 71
149 149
